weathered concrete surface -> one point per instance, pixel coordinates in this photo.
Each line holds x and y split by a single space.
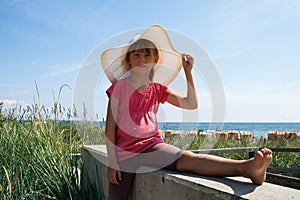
174 185
94 185
164 184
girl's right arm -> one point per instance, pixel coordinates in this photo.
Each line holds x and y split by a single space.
191 100
113 171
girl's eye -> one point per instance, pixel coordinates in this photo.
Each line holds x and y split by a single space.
148 55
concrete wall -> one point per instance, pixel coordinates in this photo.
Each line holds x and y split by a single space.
94 185
164 184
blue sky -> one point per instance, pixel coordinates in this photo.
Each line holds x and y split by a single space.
254 44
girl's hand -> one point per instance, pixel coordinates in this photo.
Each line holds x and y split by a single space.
187 61
114 175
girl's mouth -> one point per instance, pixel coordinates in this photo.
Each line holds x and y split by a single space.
143 65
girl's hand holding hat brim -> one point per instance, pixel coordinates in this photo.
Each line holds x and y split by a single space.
187 61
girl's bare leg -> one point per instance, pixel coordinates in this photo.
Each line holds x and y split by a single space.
209 165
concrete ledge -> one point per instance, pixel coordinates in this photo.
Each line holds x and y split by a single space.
164 184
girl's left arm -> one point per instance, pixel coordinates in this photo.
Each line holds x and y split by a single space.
191 99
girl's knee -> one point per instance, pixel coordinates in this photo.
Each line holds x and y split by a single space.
184 161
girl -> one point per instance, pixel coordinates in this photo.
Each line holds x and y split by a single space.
139 76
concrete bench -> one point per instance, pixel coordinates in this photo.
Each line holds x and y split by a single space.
164 184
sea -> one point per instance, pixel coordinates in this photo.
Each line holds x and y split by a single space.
259 129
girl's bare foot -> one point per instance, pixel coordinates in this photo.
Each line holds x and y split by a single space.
259 165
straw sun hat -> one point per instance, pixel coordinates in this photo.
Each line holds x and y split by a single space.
165 71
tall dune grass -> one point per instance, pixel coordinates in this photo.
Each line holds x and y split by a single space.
36 145
35 162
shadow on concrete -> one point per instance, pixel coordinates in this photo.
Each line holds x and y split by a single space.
238 188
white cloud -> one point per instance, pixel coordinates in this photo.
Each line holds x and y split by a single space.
15 2
29 64
17 93
60 70
6 85
11 102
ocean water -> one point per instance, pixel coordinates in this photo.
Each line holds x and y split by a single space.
259 129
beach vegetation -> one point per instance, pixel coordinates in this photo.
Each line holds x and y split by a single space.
39 150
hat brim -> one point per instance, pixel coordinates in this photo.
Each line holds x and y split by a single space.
168 66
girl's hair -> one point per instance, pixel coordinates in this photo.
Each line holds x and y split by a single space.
141 45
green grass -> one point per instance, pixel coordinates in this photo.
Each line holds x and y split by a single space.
36 161
36 151
36 157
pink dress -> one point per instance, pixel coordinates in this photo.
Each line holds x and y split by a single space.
136 121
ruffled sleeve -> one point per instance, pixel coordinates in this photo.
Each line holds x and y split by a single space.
114 90
163 93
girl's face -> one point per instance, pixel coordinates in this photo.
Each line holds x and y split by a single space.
142 58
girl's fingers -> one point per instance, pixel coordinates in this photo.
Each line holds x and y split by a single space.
119 175
114 180
116 177
113 176
187 59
